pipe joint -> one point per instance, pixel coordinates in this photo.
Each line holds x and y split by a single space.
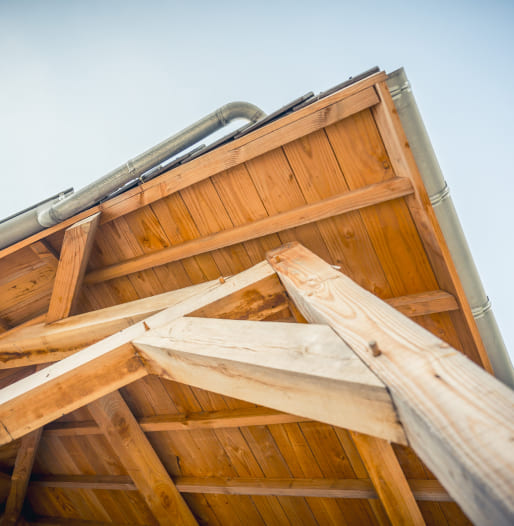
439 197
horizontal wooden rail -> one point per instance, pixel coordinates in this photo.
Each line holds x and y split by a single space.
423 489
228 418
340 204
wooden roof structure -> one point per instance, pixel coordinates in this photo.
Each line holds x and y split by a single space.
156 366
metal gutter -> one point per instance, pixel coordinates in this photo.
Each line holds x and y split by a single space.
36 219
444 209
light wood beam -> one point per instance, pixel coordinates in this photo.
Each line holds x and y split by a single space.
20 477
457 417
423 490
65 386
76 247
300 369
38 342
224 419
140 460
42 343
100 368
340 204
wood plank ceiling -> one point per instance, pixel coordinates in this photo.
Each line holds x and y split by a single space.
338 177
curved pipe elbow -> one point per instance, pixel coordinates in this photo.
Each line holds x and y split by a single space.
239 110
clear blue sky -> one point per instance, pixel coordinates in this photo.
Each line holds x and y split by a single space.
87 85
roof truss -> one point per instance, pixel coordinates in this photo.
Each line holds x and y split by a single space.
230 362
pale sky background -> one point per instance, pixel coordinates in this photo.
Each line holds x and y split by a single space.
86 85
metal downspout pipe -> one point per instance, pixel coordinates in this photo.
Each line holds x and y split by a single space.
22 226
444 209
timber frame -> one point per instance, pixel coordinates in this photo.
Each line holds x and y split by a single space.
283 374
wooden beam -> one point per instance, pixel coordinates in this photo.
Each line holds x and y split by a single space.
403 163
42 343
457 417
65 386
424 303
76 247
423 490
388 479
340 204
100 368
140 460
224 419
20 477
296 368
45 253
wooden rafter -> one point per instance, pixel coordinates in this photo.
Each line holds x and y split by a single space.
422 489
38 399
457 417
223 419
300 369
140 460
102 367
76 247
20 477
42 343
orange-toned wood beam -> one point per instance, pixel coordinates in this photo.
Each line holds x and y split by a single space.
138 457
20 477
310 213
223 419
388 479
76 247
457 417
422 489
45 253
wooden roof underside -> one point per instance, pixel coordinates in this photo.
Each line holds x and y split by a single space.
338 177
